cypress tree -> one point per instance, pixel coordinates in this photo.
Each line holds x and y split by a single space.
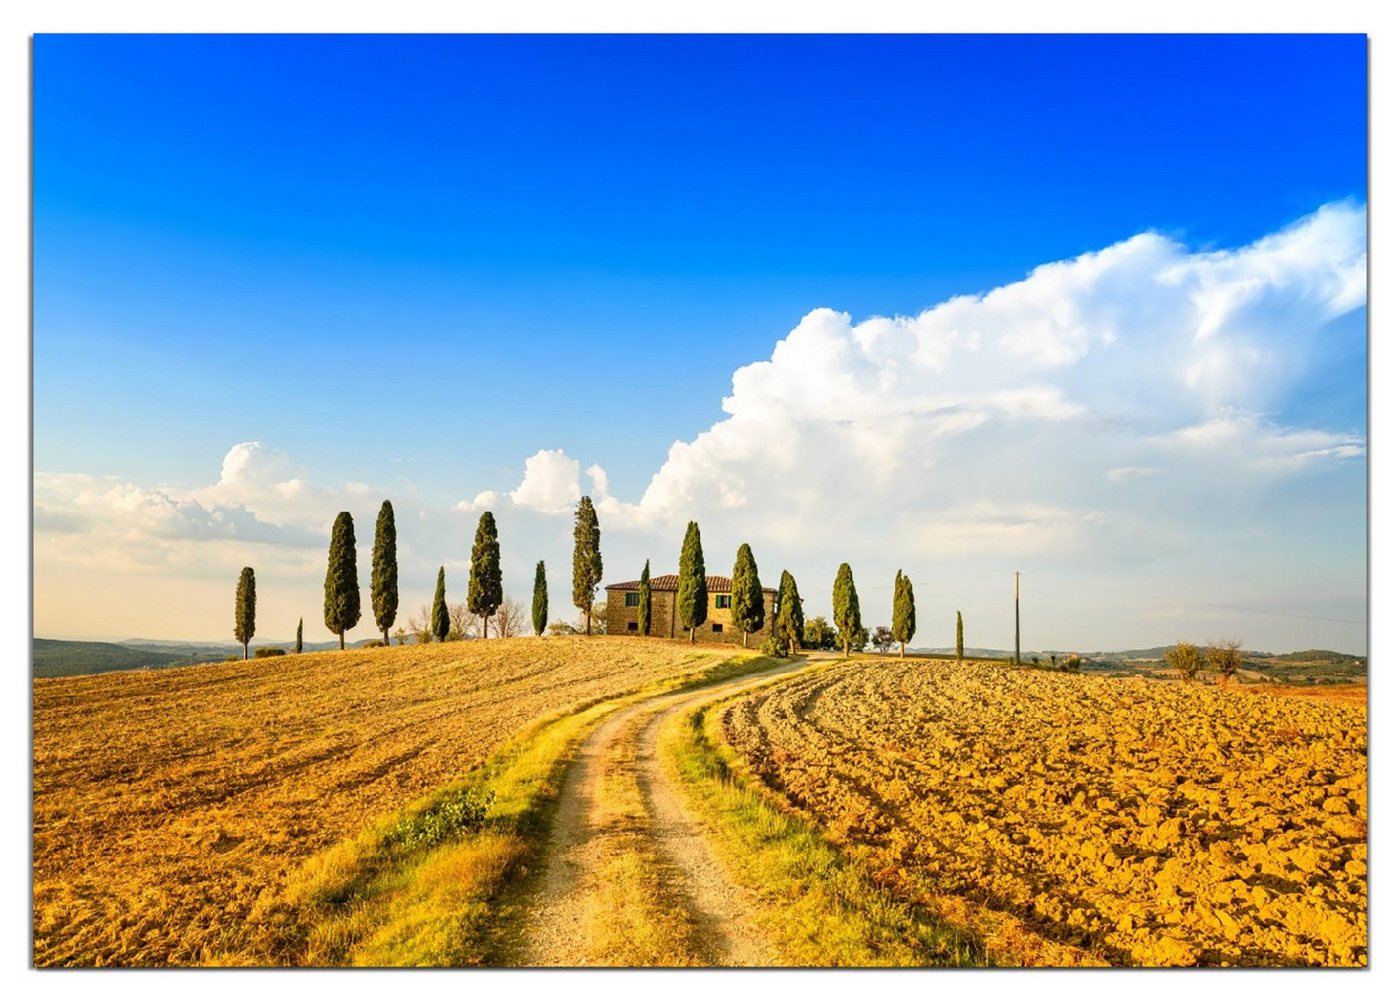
484 585
245 601
342 579
384 574
588 560
644 601
747 608
539 607
439 624
960 653
693 598
845 607
787 616
298 646
903 621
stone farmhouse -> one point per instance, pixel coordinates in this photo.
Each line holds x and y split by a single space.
718 626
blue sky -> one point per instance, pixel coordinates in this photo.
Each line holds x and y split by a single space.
413 262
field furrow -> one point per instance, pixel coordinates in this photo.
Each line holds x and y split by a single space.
1083 820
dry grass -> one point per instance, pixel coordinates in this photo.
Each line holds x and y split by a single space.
1081 820
166 803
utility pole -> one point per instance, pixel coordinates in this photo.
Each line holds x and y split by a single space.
1018 618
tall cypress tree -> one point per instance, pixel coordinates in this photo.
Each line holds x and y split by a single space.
298 646
439 624
539 606
245 602
747 607
903 620
845 607
484 585
960 651
588 560
787 616
644 601
342 579
693 597
384 573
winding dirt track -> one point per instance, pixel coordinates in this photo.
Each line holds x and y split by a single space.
724 931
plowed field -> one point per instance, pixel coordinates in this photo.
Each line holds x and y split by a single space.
1080 820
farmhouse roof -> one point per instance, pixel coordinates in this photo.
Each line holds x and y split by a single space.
714 584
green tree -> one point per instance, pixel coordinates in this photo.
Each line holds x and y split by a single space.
845 607
384 571
1185 659
298 645
960 646
539 607
245 601
342 579
692 597
817 634
484 586
787 615
903 625
440 622
644 601
747 608
588 560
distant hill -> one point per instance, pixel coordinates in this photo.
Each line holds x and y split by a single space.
67 658
63 658
1319 656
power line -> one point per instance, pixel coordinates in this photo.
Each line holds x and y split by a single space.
1280 614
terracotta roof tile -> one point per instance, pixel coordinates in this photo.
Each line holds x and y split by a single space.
714 584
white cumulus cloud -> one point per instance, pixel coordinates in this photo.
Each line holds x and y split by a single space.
550 484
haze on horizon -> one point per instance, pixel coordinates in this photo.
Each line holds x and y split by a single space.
957 306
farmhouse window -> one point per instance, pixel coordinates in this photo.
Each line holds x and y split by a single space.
717 627
723 600
633 598
631 626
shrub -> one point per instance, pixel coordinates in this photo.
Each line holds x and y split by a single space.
265 651
452 815
773 646
373 644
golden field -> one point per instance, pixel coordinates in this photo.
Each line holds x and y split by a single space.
167 802
1073 820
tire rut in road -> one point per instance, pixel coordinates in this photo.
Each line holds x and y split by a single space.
566 902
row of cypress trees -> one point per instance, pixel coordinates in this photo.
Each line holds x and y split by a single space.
485 594
484 587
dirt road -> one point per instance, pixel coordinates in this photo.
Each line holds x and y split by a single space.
574 912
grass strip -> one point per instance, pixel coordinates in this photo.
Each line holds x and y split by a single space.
822 906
